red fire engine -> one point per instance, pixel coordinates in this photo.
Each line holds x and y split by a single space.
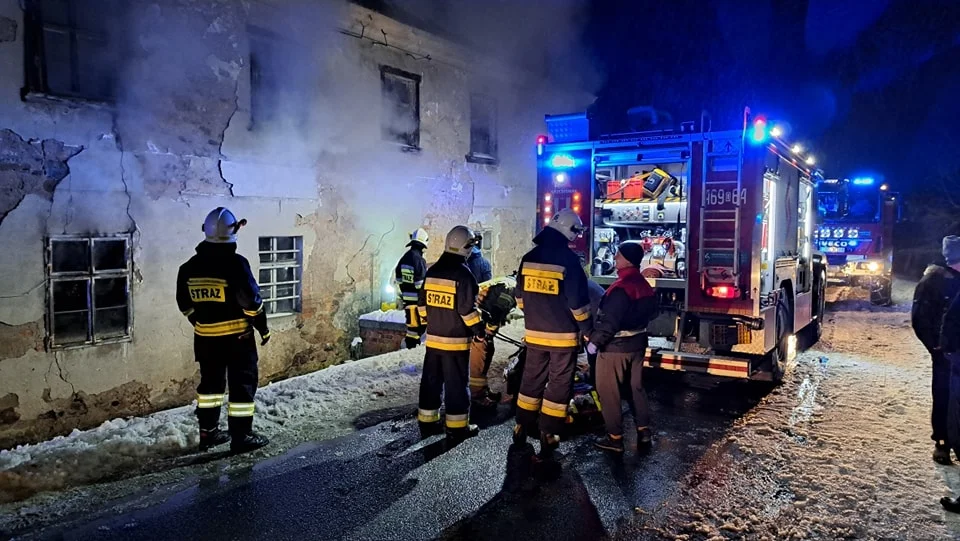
728 220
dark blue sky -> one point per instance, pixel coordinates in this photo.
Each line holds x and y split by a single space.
873 86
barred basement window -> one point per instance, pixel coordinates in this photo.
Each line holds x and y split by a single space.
88 290
281 278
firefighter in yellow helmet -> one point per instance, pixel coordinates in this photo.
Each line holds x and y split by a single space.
410 273
448 300
218 294
552 291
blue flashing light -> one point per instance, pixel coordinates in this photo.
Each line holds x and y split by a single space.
863 181
562 161
758 133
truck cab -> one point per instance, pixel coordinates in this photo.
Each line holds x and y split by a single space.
727 220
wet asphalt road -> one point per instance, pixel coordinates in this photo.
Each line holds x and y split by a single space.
382 482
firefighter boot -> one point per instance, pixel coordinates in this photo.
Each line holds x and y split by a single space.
212 438
950 504
610 443
430 429
549 443
941 453
457 435
644 439
519 434
248 442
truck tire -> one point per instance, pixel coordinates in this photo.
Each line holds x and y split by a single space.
814 330
778 356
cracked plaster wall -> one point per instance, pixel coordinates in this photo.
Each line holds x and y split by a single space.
178 143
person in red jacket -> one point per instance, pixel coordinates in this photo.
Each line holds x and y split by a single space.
620 338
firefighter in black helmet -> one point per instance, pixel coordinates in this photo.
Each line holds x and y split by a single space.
552 292
410 272
448 301
217 292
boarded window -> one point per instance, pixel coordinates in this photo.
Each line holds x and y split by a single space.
400 111
280 274
88 290
483 129
72 47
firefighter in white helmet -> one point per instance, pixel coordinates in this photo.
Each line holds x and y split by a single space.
448 301
552 291
410 273
218 294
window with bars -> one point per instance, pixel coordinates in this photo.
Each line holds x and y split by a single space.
88 290
72 48
281 279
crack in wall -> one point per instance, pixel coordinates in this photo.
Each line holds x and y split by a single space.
37 166
223 135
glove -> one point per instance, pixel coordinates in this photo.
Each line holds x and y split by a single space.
264 338
591 348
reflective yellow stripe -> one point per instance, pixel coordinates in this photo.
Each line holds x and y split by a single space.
478 382
581 314
472 318
544 267
243 409
251 313
413 335
447 347
224 328
187 313
209 400
492 328
554 409
542 273
528 403
422 311
206 282
439 284
553 339
456 421
428 416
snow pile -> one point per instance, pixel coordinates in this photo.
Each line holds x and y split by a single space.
390 316
312 406
841 450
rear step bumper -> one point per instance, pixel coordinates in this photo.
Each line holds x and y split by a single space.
715 365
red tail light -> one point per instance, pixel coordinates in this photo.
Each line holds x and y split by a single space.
723 292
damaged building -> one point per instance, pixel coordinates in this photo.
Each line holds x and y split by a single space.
334 129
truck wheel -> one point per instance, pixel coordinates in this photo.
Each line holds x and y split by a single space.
814 330
778 356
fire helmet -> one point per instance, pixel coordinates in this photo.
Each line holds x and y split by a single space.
568 223
459 241
419 236
221 226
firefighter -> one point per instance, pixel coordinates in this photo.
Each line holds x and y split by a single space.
939 284
619 337
448 303
949 346
496 300
552 292
478 264
410 273
220 297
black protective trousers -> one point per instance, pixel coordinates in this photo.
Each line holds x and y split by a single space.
615 371
445 379
223 360
415 328
941 396
546 389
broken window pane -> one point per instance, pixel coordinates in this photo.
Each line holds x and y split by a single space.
110 254
287 274
70 295
70 255
110 292
70 328
483 126
111 322
400 111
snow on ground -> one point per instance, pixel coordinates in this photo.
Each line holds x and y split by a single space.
841 450
289 412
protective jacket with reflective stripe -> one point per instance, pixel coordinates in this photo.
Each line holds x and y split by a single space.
217 292
410 273
448 300
553 294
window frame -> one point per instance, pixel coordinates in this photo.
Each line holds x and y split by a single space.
475 155
36 80
90 275
296 263
414 143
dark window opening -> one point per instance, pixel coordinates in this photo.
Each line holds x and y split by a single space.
71 48
400 113
88 290
483 129
280 82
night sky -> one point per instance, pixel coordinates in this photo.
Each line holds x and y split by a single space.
872 86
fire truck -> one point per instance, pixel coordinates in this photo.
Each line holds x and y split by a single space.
856 234
727 219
